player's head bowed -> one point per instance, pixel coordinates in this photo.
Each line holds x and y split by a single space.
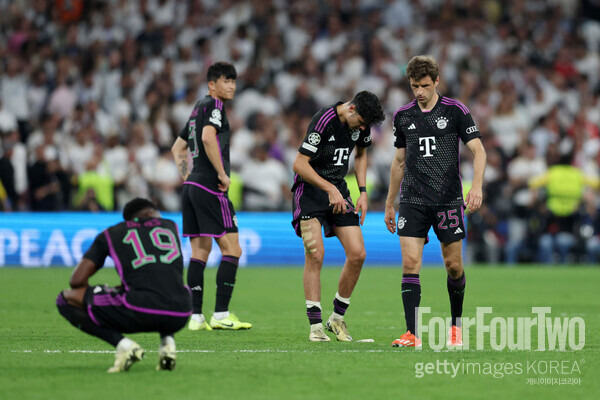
139 208
368 107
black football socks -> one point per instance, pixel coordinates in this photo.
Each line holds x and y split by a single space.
456 292
225 282
195 280
411 298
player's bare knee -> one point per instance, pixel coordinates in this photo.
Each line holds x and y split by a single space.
453 267
356 257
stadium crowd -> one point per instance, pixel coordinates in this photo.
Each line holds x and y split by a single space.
93 94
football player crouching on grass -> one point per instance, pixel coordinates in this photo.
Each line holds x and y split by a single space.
147 254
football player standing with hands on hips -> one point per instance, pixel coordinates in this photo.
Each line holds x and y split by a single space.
426 169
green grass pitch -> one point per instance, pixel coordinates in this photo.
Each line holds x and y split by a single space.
43 357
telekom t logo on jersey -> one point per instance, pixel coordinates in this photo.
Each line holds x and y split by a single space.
341 155
427 144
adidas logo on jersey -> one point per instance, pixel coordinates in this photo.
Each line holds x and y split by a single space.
197 288
332 138
412 126
457 231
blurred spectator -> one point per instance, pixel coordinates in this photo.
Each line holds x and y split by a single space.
44 183
520 171
565 185
266 183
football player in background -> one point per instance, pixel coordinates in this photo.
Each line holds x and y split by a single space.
322 201
147 254
206 208
426 169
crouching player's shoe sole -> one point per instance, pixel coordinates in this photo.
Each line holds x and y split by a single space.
407 340
455 338
125 359
317 334
166 358
339 328
230 323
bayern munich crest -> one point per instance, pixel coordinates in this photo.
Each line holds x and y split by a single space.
401 222
442 123
355 135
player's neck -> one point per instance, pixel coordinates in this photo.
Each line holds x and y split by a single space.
429 106
214 96
340 112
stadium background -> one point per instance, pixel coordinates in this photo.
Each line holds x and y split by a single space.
93 93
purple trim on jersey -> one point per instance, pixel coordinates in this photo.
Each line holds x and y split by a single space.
405 107
204 234
326 122
203 187
325 115
157 312
218 103
460 178
297 195
113 255
108 300
195 112
451 102
229 259
409 279
91 314
60 300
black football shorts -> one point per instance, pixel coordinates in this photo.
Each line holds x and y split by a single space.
447 221
206 212
312 202
108 308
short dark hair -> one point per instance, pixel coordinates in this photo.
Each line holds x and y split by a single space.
368 106
220 69
421 66
135 207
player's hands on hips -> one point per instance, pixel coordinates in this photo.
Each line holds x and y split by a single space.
336 200
362 206
224 182
474 199
390 218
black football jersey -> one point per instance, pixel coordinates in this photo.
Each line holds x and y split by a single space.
148 259
329 144
208 111
431 139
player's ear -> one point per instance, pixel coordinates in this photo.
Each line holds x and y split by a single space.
437 81
211 85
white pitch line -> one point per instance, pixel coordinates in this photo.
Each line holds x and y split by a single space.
48 351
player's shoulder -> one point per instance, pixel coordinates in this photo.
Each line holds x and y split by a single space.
454 104
323 118
404 109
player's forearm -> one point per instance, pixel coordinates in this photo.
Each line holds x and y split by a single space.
211 146
181 162
396 176
479 161
303 168
179 151
360 169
